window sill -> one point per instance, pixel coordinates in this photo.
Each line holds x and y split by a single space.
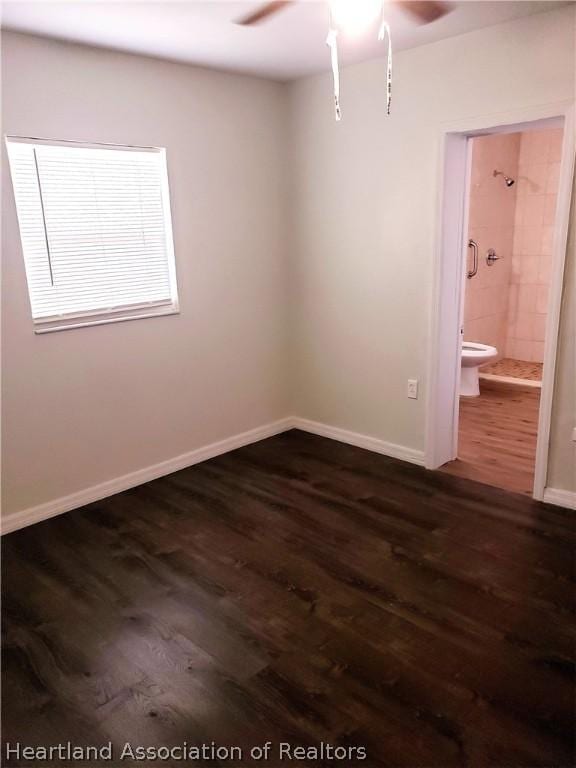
84 322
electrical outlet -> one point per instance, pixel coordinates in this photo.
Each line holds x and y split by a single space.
413 389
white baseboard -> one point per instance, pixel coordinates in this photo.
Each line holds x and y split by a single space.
13 522
560 498
361 441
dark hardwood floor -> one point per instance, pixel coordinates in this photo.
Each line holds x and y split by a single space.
297 590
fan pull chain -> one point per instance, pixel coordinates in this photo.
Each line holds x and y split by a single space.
385 31
332 43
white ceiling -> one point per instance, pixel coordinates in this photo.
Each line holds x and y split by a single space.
289 45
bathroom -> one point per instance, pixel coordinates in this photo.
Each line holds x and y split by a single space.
512 204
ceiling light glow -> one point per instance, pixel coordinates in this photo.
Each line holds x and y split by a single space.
354 15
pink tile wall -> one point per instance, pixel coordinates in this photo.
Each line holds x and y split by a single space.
506 304
491 224
538 173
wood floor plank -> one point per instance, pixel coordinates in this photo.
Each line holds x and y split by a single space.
298 590
497 437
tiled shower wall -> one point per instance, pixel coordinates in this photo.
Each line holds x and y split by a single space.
491 225
538 174
506 304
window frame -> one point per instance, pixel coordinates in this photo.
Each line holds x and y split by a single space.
73 320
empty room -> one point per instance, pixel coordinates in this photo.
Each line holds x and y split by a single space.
288 400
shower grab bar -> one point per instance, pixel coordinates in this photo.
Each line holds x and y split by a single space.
474 245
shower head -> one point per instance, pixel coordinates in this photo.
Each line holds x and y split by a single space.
507 180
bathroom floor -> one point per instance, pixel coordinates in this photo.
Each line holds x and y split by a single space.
515 369
497 437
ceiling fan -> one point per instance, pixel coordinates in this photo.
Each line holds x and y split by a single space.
423 11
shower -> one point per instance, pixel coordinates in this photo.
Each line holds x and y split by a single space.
507 180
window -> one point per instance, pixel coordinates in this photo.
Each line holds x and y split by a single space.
96 231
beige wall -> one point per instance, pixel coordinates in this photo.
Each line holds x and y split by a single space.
365 196
491 225
537 183
86 406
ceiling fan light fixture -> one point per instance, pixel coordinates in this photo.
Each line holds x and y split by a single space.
354 16
332 42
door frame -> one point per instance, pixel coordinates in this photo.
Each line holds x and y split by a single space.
441 440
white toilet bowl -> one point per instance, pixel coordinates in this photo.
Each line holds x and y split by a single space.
473 356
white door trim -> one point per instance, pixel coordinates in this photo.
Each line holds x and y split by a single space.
444 360
561 227
451 220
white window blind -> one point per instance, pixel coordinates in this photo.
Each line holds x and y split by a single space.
96 231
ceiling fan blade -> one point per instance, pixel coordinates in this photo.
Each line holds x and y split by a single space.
263 12
424 11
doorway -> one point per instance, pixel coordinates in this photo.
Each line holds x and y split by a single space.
504 218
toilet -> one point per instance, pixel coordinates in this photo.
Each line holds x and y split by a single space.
473 356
